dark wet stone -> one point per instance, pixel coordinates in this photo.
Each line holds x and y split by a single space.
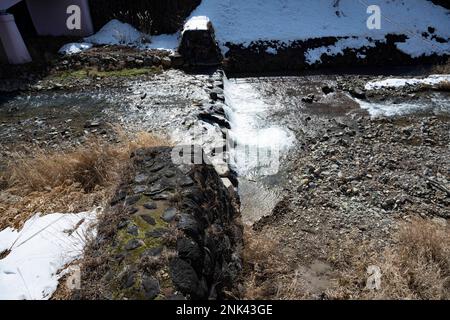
188 249
151 205
133 230
122 224
133 210
155 189
189 225
128 280
162 196
151 287
185 278
154 252
134 244
169 214
157 233
140 178
133 200
186 181
327 89
139 189
120 196
157 167
169 174
150 220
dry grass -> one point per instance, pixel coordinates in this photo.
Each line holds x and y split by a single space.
267 273
417 266
442 68
69 181
444 86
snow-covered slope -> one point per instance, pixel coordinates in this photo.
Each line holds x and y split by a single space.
40 252
241 22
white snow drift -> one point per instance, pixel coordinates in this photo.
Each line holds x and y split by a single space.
241 22
39 253
123 34
393 83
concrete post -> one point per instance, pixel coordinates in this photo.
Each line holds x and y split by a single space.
13 45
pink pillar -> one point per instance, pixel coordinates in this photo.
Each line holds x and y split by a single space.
50 17
15 50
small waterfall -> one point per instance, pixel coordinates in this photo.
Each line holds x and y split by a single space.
256 145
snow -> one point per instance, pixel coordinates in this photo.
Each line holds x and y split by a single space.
314 55
39 252
72 48
393 83
167 42
118 33
197 23
242 22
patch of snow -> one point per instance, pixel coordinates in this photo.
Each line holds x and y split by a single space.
393 83
40 252
72 48
168 42
242 22
118 33
196 23
272 50
315 55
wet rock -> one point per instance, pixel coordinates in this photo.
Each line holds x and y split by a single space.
189 250
134 244
140 178
358 93
185 181
92 124
132 200
169 214
166 62
151 287
185 279
327 89
122 224
157 233
153 252
128 280
189 225
133 230
309 98
139 189
150 220
151 205
162 196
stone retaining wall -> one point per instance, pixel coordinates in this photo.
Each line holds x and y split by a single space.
172 232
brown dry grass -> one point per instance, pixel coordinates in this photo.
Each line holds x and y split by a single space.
69 181
442 68
444 86
417 266
267 273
